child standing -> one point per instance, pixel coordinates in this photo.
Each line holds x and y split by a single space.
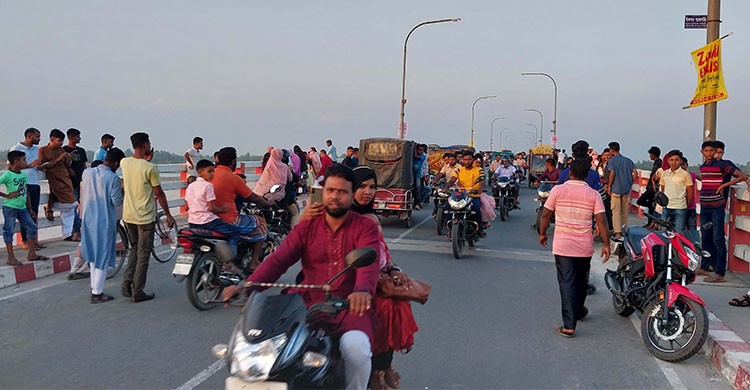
200 200
16 207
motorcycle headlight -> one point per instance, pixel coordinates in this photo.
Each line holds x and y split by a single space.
458 204
253 362
543 194
503 184
694 259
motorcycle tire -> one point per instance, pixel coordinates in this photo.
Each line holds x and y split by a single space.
538 225
503 209
407 222
199 291
439 220
457 240
622 308
650 323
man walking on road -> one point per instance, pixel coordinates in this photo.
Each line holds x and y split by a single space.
574 203
101 194
142 184
29 147
621 178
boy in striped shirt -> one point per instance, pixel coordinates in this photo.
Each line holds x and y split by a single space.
712 204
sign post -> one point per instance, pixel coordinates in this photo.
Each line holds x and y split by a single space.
695 22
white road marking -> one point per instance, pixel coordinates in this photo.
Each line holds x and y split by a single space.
665 367
406 233
31 290
203 375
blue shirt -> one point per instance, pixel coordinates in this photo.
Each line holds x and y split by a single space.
622 167
101 154
592 179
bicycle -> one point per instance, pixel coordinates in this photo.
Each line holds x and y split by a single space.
164 248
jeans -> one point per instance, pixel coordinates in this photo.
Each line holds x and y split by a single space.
10 215
217 225
476 207
678 217
142 242
571 276
32 191
691 223
713 240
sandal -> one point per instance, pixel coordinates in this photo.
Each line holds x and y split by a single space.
567 333
392 378
714 279
99 298
72 238
38 258
48 213
743 301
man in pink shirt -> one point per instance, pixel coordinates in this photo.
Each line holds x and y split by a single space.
574 204
200 201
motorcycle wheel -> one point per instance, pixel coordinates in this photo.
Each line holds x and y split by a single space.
200 291
457 240
539 220
439 220
684 334
503 209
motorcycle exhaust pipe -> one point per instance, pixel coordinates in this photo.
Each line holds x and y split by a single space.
612 282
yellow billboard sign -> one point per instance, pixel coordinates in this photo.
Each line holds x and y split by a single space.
711 86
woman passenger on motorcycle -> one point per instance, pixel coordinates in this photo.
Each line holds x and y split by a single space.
393 335
276 172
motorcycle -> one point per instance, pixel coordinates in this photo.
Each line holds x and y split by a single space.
651 278
542 193
440 198
279 343
460 228
504 198
207 262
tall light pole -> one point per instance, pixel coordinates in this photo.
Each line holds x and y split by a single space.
541 122
533 136
712 34
401 132
507 137
501 136
472 115
536 131
554 114
492 129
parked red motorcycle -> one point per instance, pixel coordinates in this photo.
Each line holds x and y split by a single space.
652 277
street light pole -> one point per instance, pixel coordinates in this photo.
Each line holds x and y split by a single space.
472 115
492 129
541 122
533 136
536 131
509 136
712 34
554 114
403 74
501 136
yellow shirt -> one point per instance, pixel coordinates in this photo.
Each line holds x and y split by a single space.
139 177
675 185
470 179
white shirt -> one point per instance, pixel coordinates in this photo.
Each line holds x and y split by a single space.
502 171
561 158
195 156
32 154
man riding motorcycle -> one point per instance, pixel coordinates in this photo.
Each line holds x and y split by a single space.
322 243
509 171
449 168
471 179
551 173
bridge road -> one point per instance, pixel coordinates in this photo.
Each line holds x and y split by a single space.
488 324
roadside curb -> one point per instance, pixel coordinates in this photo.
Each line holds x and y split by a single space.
11 276
728 352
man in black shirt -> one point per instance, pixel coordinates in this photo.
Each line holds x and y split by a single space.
654 154
348 161
77 165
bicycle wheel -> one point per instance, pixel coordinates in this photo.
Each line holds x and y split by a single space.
165 239
122 249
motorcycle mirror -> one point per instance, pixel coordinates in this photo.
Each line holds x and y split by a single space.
661 199
361 257
219 350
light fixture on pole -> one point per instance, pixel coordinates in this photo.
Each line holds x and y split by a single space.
554 113
471 143
401 125
501 136
533 136
541 122
536 131
492 129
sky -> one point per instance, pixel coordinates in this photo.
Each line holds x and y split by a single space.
253 74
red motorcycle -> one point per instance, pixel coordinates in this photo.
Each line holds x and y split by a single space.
652 277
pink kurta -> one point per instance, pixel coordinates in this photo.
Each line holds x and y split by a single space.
323 255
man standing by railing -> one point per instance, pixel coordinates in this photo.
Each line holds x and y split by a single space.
56 163
78 165
621 178
33 190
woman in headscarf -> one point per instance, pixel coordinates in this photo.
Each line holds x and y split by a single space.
396 321
296 163
313 160
276 172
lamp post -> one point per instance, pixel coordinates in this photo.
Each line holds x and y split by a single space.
533 136
472 115
501 136
403 74
541 122
554 114
536 131
507 137
492 129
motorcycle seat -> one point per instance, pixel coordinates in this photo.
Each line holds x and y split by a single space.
201 233
634 235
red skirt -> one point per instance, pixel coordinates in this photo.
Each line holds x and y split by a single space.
396 325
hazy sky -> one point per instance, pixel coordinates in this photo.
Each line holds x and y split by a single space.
252 74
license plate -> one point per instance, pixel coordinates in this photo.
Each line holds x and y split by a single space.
183 264
234 383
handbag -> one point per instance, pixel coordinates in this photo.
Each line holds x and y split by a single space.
647 198
418 290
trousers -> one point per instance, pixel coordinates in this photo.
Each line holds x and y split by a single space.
571 276
98 277
620 209
713 239
141 242
33 191
67 216
356 352
10 215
